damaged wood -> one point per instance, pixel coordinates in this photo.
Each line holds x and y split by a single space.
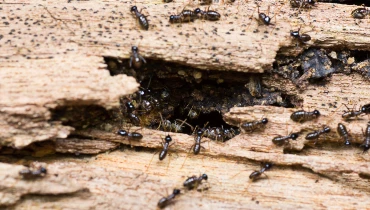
13 186
53 56
83 146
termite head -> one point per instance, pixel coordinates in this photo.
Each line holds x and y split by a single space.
294 136
134 49
197 11
326 130
133 9
168 138
316 112
265 121
122 132
176 191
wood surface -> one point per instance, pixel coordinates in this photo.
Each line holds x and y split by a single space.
52 56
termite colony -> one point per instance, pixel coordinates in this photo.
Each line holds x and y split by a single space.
156 105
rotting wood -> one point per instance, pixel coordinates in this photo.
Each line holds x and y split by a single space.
13 187
68 41
113 177
72 57
89 24
83 146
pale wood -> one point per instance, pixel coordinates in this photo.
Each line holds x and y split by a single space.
63 65
13 187
83 146
119 180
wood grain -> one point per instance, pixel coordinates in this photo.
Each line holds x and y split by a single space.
52 56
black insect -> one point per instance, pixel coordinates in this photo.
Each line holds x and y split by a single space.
342 131
198 140
144 24
360 13
302 3
254 125
188 15
136 60
256 174
263 18
303 116
163 202
163 153
197 143
302 38
32 174
351 113
365 109
219 133
176 19
130 135
166 145
131 115
366 143
194 181
173 127
284 140
208 14
316 134
184 16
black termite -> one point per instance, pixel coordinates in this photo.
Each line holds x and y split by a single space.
302 38
133 118
254 125
284 140
130 135
365 109
198 141
208 14
166 145
360 13
162 155
136 60
262 17
214 133
163 202
31 174
342 131
351 113
256 174
173 127
229 133
366 143
175 19
316 134
303 116
194 181
144 24
184 16
220 133
188 15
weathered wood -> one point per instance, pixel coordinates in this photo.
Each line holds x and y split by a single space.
119 180
52 55
13 186
83 146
